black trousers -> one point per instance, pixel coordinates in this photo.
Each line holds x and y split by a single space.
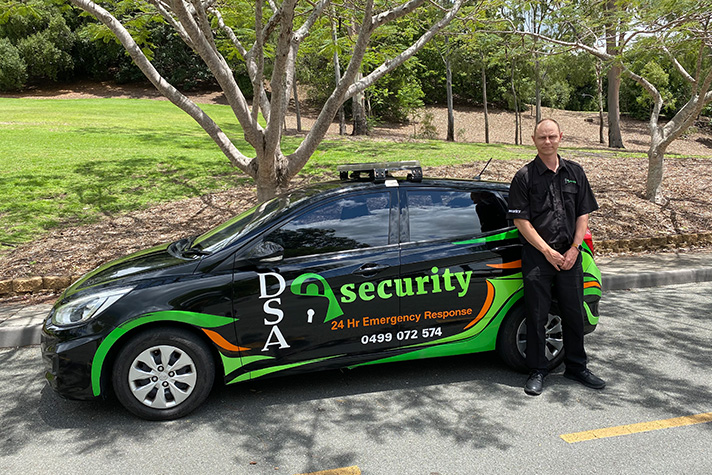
541 282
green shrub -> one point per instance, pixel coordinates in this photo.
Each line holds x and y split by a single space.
43 58
13 70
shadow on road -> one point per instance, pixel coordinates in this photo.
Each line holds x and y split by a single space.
657 359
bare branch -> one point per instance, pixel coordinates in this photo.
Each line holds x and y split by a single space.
305 150
258 65
222 72
680 68
163 10
230 34
397 12
304 30
280 91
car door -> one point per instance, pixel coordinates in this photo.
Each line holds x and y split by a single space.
320 299
452 241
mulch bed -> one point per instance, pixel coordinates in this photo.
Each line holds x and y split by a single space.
618 183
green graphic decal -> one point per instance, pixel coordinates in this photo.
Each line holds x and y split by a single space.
312 290
231 363
265 371
482 336
592 319
198 319
511 234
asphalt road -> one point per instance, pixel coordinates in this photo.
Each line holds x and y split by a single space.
460 415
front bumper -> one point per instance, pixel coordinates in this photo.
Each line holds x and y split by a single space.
67 361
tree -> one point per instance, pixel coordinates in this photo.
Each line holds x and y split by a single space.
681 31
202 23
614 31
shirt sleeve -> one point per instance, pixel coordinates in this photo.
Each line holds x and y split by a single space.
518 207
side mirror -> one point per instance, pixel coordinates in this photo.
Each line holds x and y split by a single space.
266 251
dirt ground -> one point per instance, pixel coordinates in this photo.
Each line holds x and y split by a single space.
618 185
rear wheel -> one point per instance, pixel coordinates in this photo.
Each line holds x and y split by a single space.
512 340
163 374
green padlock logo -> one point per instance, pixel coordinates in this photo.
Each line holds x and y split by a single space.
313 289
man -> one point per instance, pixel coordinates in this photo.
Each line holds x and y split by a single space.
549 201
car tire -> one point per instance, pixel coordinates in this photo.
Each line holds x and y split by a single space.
163 374
512 340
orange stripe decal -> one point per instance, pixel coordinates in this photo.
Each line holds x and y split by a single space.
507 265
591 284
485 308
218 339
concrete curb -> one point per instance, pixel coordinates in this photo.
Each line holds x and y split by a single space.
22 325
27 336
655 279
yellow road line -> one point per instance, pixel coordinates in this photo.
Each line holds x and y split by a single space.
337 471
636 428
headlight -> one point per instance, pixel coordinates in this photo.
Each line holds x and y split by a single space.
84 308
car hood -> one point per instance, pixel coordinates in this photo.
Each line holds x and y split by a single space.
149 263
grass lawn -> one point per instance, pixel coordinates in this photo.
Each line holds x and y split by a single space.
65 162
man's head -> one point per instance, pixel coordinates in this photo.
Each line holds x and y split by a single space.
547 137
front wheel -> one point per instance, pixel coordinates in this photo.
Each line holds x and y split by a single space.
512 340
163 374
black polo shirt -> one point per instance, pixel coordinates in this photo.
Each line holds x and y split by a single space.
550 201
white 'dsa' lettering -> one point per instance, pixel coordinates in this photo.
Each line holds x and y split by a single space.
275 335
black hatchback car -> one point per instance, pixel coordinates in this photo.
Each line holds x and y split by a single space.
367 269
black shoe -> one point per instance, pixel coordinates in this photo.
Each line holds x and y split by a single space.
535 384
586 377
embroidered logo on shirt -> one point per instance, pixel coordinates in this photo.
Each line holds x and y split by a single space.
567 181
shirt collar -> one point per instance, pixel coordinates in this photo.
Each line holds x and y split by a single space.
542 168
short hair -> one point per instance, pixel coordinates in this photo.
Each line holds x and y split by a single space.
544 120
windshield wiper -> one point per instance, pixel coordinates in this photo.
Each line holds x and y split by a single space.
195 252
185 248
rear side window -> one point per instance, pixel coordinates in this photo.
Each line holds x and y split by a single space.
353 222
451 214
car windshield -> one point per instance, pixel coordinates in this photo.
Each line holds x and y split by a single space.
228 232
217 238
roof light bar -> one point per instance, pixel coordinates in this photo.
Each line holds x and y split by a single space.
378 172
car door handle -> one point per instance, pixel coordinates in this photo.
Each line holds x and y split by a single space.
370 269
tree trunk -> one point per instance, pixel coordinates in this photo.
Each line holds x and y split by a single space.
615 139
537 67
358 109
484 96
450 111
296 107
599 81
517 137
337 72
654 184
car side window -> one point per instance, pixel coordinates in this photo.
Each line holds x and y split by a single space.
450 214
352 222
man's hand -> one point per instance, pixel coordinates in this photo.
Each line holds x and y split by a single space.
556 259
570 257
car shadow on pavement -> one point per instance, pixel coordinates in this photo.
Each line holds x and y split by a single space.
655 360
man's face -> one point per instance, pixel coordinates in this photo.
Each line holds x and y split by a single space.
547 138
